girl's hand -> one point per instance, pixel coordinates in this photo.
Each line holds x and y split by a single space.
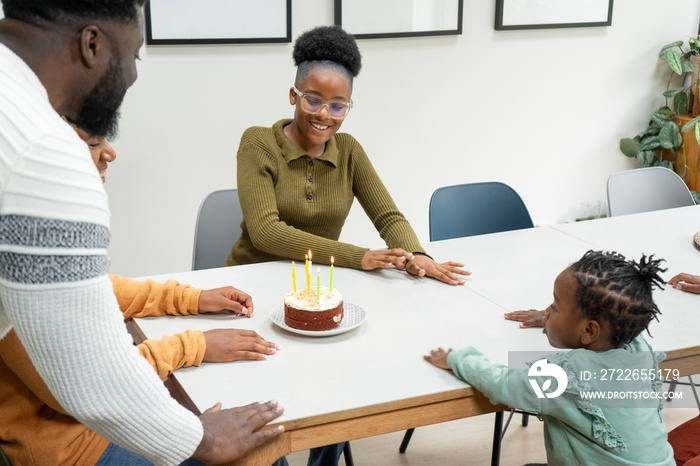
385 258
422 265
529 318
227 298
686 282
438 358
225 345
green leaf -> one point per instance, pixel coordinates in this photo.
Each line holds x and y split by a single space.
661 117
674 61
670 137
665 164
697 133
665 111
696 196
665 49
652 130
680 101
673 92
688 66
646 158
650 143
629 147
690 124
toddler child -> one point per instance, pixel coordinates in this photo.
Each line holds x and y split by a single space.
602 303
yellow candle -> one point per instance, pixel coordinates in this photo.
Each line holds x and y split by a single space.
318 285
294 277
330 287
311 270
308 285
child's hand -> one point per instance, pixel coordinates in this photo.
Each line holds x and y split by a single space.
529 318
686 282
438 358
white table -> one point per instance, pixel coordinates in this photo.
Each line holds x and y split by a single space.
373 379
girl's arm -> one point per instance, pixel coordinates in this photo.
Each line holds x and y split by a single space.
391 223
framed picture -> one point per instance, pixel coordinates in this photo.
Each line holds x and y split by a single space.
376 19
218 21
546 14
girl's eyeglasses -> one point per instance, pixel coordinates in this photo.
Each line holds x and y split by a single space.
311 103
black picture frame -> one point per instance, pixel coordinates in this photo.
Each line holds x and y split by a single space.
593 13
394 29
171 22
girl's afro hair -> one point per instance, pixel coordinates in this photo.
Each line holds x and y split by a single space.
328 43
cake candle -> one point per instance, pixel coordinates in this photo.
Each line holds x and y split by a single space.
306 270
318 285
330 287
311 269
294 277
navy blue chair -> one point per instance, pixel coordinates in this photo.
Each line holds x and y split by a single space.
469 210
476 209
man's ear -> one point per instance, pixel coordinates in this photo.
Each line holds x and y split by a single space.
591 332
92 45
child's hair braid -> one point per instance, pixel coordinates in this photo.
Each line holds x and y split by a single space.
613 288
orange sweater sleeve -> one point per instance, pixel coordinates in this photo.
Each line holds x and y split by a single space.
149 298
171 353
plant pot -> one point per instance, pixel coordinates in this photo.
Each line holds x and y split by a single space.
688 165
694 104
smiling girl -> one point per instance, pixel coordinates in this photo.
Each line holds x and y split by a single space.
298 179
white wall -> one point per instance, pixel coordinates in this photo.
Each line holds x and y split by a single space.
541 110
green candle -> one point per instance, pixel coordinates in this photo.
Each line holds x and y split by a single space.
318 285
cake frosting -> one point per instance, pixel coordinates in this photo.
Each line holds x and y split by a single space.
302 309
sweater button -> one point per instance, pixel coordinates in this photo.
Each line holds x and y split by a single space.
311 179
311 163
309 196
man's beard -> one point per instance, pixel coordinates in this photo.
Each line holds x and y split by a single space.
99 115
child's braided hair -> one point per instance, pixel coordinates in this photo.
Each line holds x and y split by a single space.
618 290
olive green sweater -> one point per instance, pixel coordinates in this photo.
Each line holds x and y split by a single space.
292 203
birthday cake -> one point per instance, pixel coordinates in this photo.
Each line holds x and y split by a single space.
309 310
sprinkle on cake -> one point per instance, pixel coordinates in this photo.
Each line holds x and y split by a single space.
309 310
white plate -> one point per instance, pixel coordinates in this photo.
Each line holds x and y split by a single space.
353 316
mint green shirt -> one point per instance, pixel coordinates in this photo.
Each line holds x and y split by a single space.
580 430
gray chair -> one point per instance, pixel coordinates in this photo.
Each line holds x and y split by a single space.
476 209
646 189
218 227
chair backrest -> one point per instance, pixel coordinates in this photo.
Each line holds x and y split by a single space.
646 189
476 209
218 227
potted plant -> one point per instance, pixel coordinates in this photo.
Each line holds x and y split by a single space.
662 143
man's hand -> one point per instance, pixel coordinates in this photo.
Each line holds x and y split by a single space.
529 318
231 433
228 344
227 298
